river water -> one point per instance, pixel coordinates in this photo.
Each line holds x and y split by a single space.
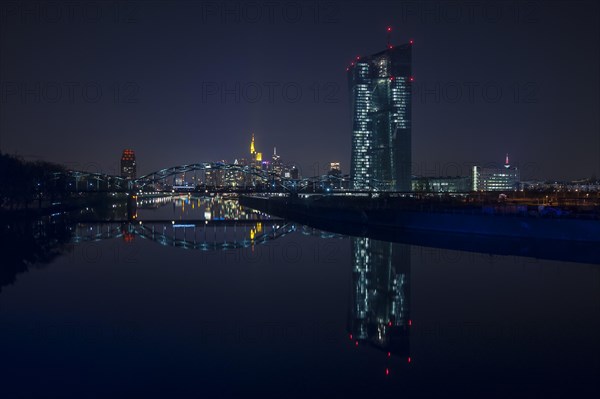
184 302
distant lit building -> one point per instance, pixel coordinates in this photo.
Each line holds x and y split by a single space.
380 96
255 162
128 166
505 178
255 156
334 179
458 184
276 165
294 173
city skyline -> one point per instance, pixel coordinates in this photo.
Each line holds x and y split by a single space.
358 198
186 117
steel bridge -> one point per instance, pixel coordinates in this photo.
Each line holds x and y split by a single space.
247 178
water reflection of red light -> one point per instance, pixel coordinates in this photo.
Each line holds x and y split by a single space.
128 237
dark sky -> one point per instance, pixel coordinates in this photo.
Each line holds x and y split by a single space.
490 78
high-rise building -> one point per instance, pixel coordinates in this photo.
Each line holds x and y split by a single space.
294 173
277 165
128 167
255 156
380 96
334 168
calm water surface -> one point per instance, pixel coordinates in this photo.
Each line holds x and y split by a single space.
269 308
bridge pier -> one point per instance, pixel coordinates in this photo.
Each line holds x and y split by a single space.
131 206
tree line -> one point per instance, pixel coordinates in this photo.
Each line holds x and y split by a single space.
23 182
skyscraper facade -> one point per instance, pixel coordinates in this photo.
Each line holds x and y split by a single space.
380 97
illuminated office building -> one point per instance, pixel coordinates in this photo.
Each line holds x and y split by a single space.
504 178
128 167
380 96
456 184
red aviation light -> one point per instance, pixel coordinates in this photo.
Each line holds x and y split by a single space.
387 371
412 79
356 343
409 359
411 41
389 28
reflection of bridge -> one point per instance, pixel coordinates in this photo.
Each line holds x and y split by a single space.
199 235
203 236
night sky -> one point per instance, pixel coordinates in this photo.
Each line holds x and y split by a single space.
162 68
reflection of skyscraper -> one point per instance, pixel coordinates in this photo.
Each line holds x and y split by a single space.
128 166
380 312
380 95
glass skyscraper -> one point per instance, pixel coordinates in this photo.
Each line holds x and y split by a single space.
380 96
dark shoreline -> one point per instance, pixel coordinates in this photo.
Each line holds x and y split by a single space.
536 242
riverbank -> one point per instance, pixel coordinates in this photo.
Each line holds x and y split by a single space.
74 203
406 215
